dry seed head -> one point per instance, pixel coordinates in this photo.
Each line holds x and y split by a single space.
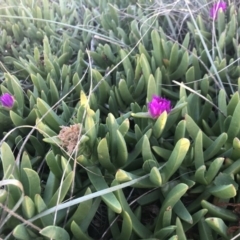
70 136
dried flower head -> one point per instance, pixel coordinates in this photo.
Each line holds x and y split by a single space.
7 100
158 105
69 137
216 7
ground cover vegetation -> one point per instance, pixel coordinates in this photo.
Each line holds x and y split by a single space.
119 119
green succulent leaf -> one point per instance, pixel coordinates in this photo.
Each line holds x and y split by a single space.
220 212
165 233
20 232
171 199
141 230
49 116
218 225
78 233
99 183
62 190
55 232
33 183
8 162
224 192
176 158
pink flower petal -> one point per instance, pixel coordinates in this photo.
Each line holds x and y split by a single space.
158 105
216 7
7 100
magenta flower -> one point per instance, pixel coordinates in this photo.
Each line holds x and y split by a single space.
7 100
216 7
158 105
